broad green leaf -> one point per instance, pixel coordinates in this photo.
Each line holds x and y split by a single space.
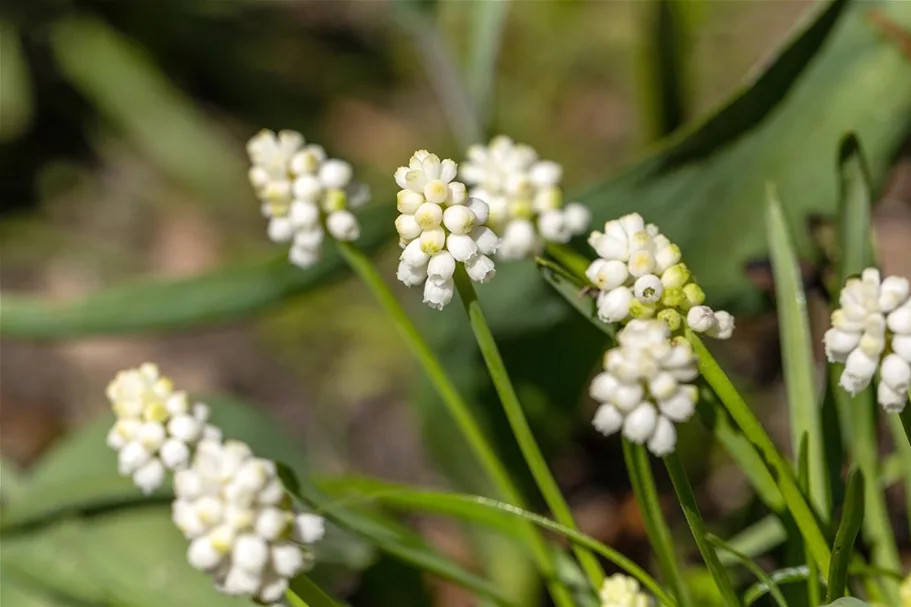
851 518
797 352
858 413
706 184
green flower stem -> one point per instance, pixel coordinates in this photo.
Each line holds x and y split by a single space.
659 535
458 408
781 470
513 409
691 511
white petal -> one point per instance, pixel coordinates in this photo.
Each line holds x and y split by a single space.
287 559
839 344
613 306
578 217
480 268
640 423
250 553
602 387
481 210
202 555
700 318
648 289
891 400
174 454
681 405
607 420
461 246
309 528
149 476
240 582
487 240
899 321
343 225
664 439
335 173
896 373
437 294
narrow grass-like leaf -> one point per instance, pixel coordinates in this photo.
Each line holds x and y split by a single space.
851 519
640 475
517 421
574 293
459 410
779 467
487 512
758 538
755 569
305 593
487 22
858 413
901 438
803 477
398 541
693 516
797 352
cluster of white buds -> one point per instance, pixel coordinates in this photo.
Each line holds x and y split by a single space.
156 428
640 275
242 527
525 198
303 193
646 387
621 590
440 226
874 319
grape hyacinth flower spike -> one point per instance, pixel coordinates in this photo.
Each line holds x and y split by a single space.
646 386
524 195
640 275
439 227
304 194
872 330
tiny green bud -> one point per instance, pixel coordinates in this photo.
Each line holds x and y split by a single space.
675 276
673 297
641 311
672 318
334 200
695 296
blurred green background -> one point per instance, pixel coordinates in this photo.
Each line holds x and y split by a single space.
122 126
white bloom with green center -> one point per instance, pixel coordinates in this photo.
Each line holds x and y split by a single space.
646 386
871 330
303 193
620 590
640 275
440 227
156 428
242 527
524 195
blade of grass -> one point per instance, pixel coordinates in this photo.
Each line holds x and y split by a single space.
305 593
659 535
858 413
851 518
803 477
755 569
779 467
487 22
697 526
456 405
900 433
516 417
797 352
758 538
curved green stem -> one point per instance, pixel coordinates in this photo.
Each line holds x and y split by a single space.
659 535
781 470
694 518
459 410
520 428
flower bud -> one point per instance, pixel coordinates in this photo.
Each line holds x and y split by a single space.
552 226
614 305
202 555
480 209
437 294
309 239
429 216
480 268
641 263
441 266
414 255
149 476
662 386
694 294
893 292
334 200
700 318
280 229
859 370
432 241
408 201
640 310
672 317
607 420
577 217
457 194
680 405
611 248
602 387
548 199
461 246
664 439
459 219
626 396
250 553
640 423
519 239
486 239
407 227
675 276
724 326
632 223
436 192
335 173
343 226
545 173
892 401
896 373
607 275
303 257
899 321
648 289
666 257
901 345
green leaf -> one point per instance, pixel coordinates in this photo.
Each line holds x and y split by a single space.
854 209
393 539
15 592
704 183
755 569
16 100
848 602
757 539
11 481
487 22
225 294
797 352
851 519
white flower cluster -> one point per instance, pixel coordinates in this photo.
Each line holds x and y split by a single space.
440 226
620 590
156 427
240 522
874 318
302 191
645 386
526 202
640 275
